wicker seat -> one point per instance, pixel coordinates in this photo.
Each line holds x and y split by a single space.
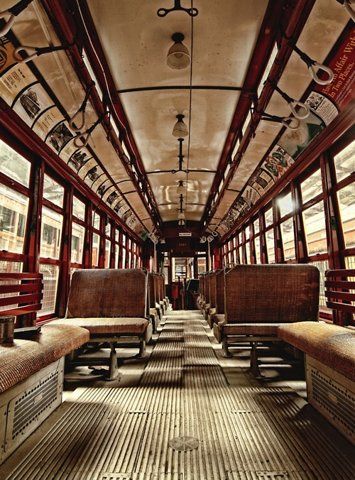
27 357
258 298
218 315
332 345
111 304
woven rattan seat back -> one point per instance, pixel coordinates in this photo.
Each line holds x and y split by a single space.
220 291
213 289
108 293
271 293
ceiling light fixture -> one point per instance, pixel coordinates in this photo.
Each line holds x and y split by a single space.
178 54
180 127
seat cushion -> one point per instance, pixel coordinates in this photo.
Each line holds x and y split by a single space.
118 326
26 357
332 345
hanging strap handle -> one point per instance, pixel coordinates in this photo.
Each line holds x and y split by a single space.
78 140
33 52
313 66
289 122
12 12
299 109
79 115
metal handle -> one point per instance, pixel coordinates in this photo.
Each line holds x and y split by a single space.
30 51
313 69
7 27
296 109
291 123
78 141
81 124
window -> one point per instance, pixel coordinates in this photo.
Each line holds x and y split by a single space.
269 217
270 245
256 226
77 243
315 230
95 250
51 233
96 220
53 192
13 216
257 249
14 165
107 253
247 251
286 205
344 162
288 239
346 199
50 284
78 209
312 186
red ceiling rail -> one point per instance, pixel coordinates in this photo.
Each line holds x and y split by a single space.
11 124
292 15
70 30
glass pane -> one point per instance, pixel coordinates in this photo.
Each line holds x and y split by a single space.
247 250
240 238
96 220
10 267
78 209
314 225
256 226
117 235
270 245
346 198
201 265
14 165
95 250
257 249
107 253
247 232
344 162
50 282
312 186
108 229
288 239
51 233
13 216
269 219
322 266
123 239
117 251
53 192
77 243
286 205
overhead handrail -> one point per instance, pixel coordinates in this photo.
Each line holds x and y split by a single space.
347 5
78 142
80 113
296 106
12 12
313 65
33 52
289 122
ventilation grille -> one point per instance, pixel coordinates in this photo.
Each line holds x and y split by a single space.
335 401
33 402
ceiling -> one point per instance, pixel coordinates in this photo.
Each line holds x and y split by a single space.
136 41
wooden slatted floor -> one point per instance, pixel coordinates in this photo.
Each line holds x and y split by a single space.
184 401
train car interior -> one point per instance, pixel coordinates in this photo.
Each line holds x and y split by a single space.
177 240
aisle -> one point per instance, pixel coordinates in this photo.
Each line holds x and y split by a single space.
184 422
